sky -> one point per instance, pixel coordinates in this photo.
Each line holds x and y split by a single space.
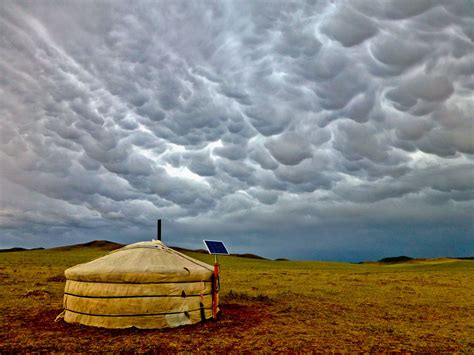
330 130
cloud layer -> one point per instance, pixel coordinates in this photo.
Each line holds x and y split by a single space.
346 127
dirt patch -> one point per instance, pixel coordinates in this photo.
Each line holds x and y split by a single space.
237 314
57 278
244 296
235 321
36 293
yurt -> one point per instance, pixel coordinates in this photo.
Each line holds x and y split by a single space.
143 285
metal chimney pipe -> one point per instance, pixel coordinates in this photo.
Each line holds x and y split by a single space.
158 229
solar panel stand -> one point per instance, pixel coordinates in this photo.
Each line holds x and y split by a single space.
215 247
215 295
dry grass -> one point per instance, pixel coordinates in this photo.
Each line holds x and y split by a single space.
267 306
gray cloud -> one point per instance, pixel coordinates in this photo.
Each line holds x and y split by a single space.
348 27
339 124
289 148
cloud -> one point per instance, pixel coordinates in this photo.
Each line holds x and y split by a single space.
339 124
348 27
289 148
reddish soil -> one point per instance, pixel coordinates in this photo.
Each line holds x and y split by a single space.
36 331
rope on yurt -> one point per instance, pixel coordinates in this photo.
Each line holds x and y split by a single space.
133 315
138 283
150 296
60 315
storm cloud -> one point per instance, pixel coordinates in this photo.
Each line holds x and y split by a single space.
317 129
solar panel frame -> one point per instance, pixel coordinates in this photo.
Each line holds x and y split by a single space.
211 247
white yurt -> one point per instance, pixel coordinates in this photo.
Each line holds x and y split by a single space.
143 285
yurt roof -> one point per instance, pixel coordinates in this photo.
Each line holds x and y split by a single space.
143 262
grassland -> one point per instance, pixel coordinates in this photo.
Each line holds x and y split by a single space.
267 306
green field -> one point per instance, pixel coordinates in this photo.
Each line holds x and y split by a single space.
423 306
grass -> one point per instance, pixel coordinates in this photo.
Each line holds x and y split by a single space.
267 306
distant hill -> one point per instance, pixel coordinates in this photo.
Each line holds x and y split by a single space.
395 259
464 258
204 251
109 246
406 259
184 250
250 256
12 249
99 244
18 249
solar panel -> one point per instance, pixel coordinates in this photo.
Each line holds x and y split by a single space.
216 247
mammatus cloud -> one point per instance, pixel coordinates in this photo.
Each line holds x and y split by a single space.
345 126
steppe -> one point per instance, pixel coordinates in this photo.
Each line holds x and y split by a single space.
288 306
